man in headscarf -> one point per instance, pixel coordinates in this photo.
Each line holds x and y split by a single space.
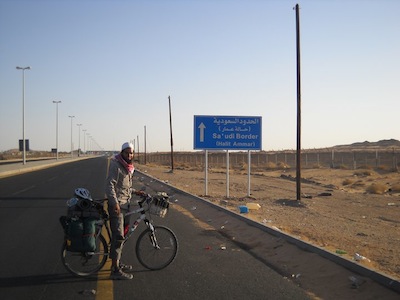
119 190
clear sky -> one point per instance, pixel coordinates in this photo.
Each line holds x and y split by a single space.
113 65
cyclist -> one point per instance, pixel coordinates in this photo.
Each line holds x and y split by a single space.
119 190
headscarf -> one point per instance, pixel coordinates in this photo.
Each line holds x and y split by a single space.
128 166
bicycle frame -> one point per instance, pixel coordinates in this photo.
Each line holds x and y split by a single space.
135 224
132 226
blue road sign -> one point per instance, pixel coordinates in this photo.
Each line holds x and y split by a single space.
227 133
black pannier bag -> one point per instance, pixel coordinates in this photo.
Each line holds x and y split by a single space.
80 233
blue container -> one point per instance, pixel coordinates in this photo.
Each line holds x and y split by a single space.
243 209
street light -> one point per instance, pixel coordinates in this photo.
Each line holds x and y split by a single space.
88 143
79 140
84 140
23 112
57 102
71 134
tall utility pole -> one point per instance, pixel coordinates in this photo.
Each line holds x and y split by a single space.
87 142
56 102
145 142
79 139
71 135
172 141
298 156
84 141
23 113
138 152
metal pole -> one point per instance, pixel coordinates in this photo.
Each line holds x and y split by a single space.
87 142
206 172
298 157
23 113
170 129
71 135
56 102
23 118
248 172
138 152
227 173
84 140
145 150
79 139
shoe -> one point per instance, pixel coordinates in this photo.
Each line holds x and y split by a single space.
125 268
119 275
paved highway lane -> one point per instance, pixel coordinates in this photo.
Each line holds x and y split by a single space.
31 237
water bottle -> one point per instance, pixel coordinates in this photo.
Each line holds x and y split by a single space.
359 257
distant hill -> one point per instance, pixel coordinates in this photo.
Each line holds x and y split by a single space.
392 143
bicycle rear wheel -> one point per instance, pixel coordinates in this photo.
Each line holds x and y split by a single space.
85 263
157 250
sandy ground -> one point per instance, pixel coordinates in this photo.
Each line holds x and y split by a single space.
347 212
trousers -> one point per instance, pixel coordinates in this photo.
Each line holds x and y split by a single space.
117 224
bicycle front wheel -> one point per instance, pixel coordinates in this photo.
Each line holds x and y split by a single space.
85 263
156 250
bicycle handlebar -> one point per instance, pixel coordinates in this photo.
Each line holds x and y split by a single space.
145 197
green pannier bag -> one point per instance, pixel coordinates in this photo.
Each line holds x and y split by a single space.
81 234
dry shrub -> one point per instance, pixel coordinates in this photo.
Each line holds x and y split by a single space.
271 165
363 173
282 165
383 168
240 166
359 183
257 169
348 181
395 188
181 166
186 166
366 167
156 164
377 188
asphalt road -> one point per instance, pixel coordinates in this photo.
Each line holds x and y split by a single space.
31 238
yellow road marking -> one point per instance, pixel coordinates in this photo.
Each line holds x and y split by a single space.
186 212
105 286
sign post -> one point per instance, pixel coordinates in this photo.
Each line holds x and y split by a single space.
227 133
